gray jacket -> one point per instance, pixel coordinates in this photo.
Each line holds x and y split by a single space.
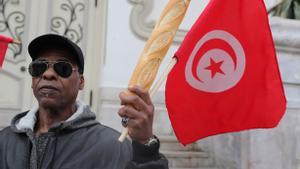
80 142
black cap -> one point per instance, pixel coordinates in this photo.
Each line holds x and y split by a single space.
53 41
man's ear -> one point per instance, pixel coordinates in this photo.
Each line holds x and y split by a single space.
81 82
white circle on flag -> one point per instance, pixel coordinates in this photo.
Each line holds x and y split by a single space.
216 70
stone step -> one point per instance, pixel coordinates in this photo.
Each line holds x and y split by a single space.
188 159
170 143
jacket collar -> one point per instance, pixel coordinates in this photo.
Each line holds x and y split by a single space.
28 121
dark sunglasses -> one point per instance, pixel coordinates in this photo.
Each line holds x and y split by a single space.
62 68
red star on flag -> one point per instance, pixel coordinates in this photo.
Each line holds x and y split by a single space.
215 67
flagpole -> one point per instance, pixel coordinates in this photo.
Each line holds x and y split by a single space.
157 46
163 77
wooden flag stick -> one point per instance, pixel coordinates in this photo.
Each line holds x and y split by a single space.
157 46
163 77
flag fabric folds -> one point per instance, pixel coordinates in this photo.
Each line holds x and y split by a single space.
227 77
4 41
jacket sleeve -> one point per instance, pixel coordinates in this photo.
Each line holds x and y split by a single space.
147 158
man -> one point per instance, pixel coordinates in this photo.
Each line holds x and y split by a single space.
62 133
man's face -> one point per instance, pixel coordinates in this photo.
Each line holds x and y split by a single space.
52 90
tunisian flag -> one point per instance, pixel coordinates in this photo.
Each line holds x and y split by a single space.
227 77
4 41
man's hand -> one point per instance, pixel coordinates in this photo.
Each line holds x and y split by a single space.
138 107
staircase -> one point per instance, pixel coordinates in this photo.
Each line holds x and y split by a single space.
185 157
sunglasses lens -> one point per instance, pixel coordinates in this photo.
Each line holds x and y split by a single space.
36 69
63 69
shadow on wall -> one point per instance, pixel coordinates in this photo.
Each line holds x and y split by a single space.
287 9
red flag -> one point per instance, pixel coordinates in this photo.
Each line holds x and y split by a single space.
4 41
227 77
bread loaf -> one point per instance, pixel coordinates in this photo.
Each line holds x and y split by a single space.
158 43
157 46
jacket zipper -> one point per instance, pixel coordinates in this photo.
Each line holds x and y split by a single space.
28 153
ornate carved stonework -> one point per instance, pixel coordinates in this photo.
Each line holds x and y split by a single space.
68 24
139 25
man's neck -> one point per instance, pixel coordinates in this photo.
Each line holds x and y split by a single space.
48 117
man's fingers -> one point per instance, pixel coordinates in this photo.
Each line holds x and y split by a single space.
135 118
140 129
137 113
141 93
137 123
128 111
132 99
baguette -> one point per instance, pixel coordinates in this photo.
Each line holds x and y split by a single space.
157 46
